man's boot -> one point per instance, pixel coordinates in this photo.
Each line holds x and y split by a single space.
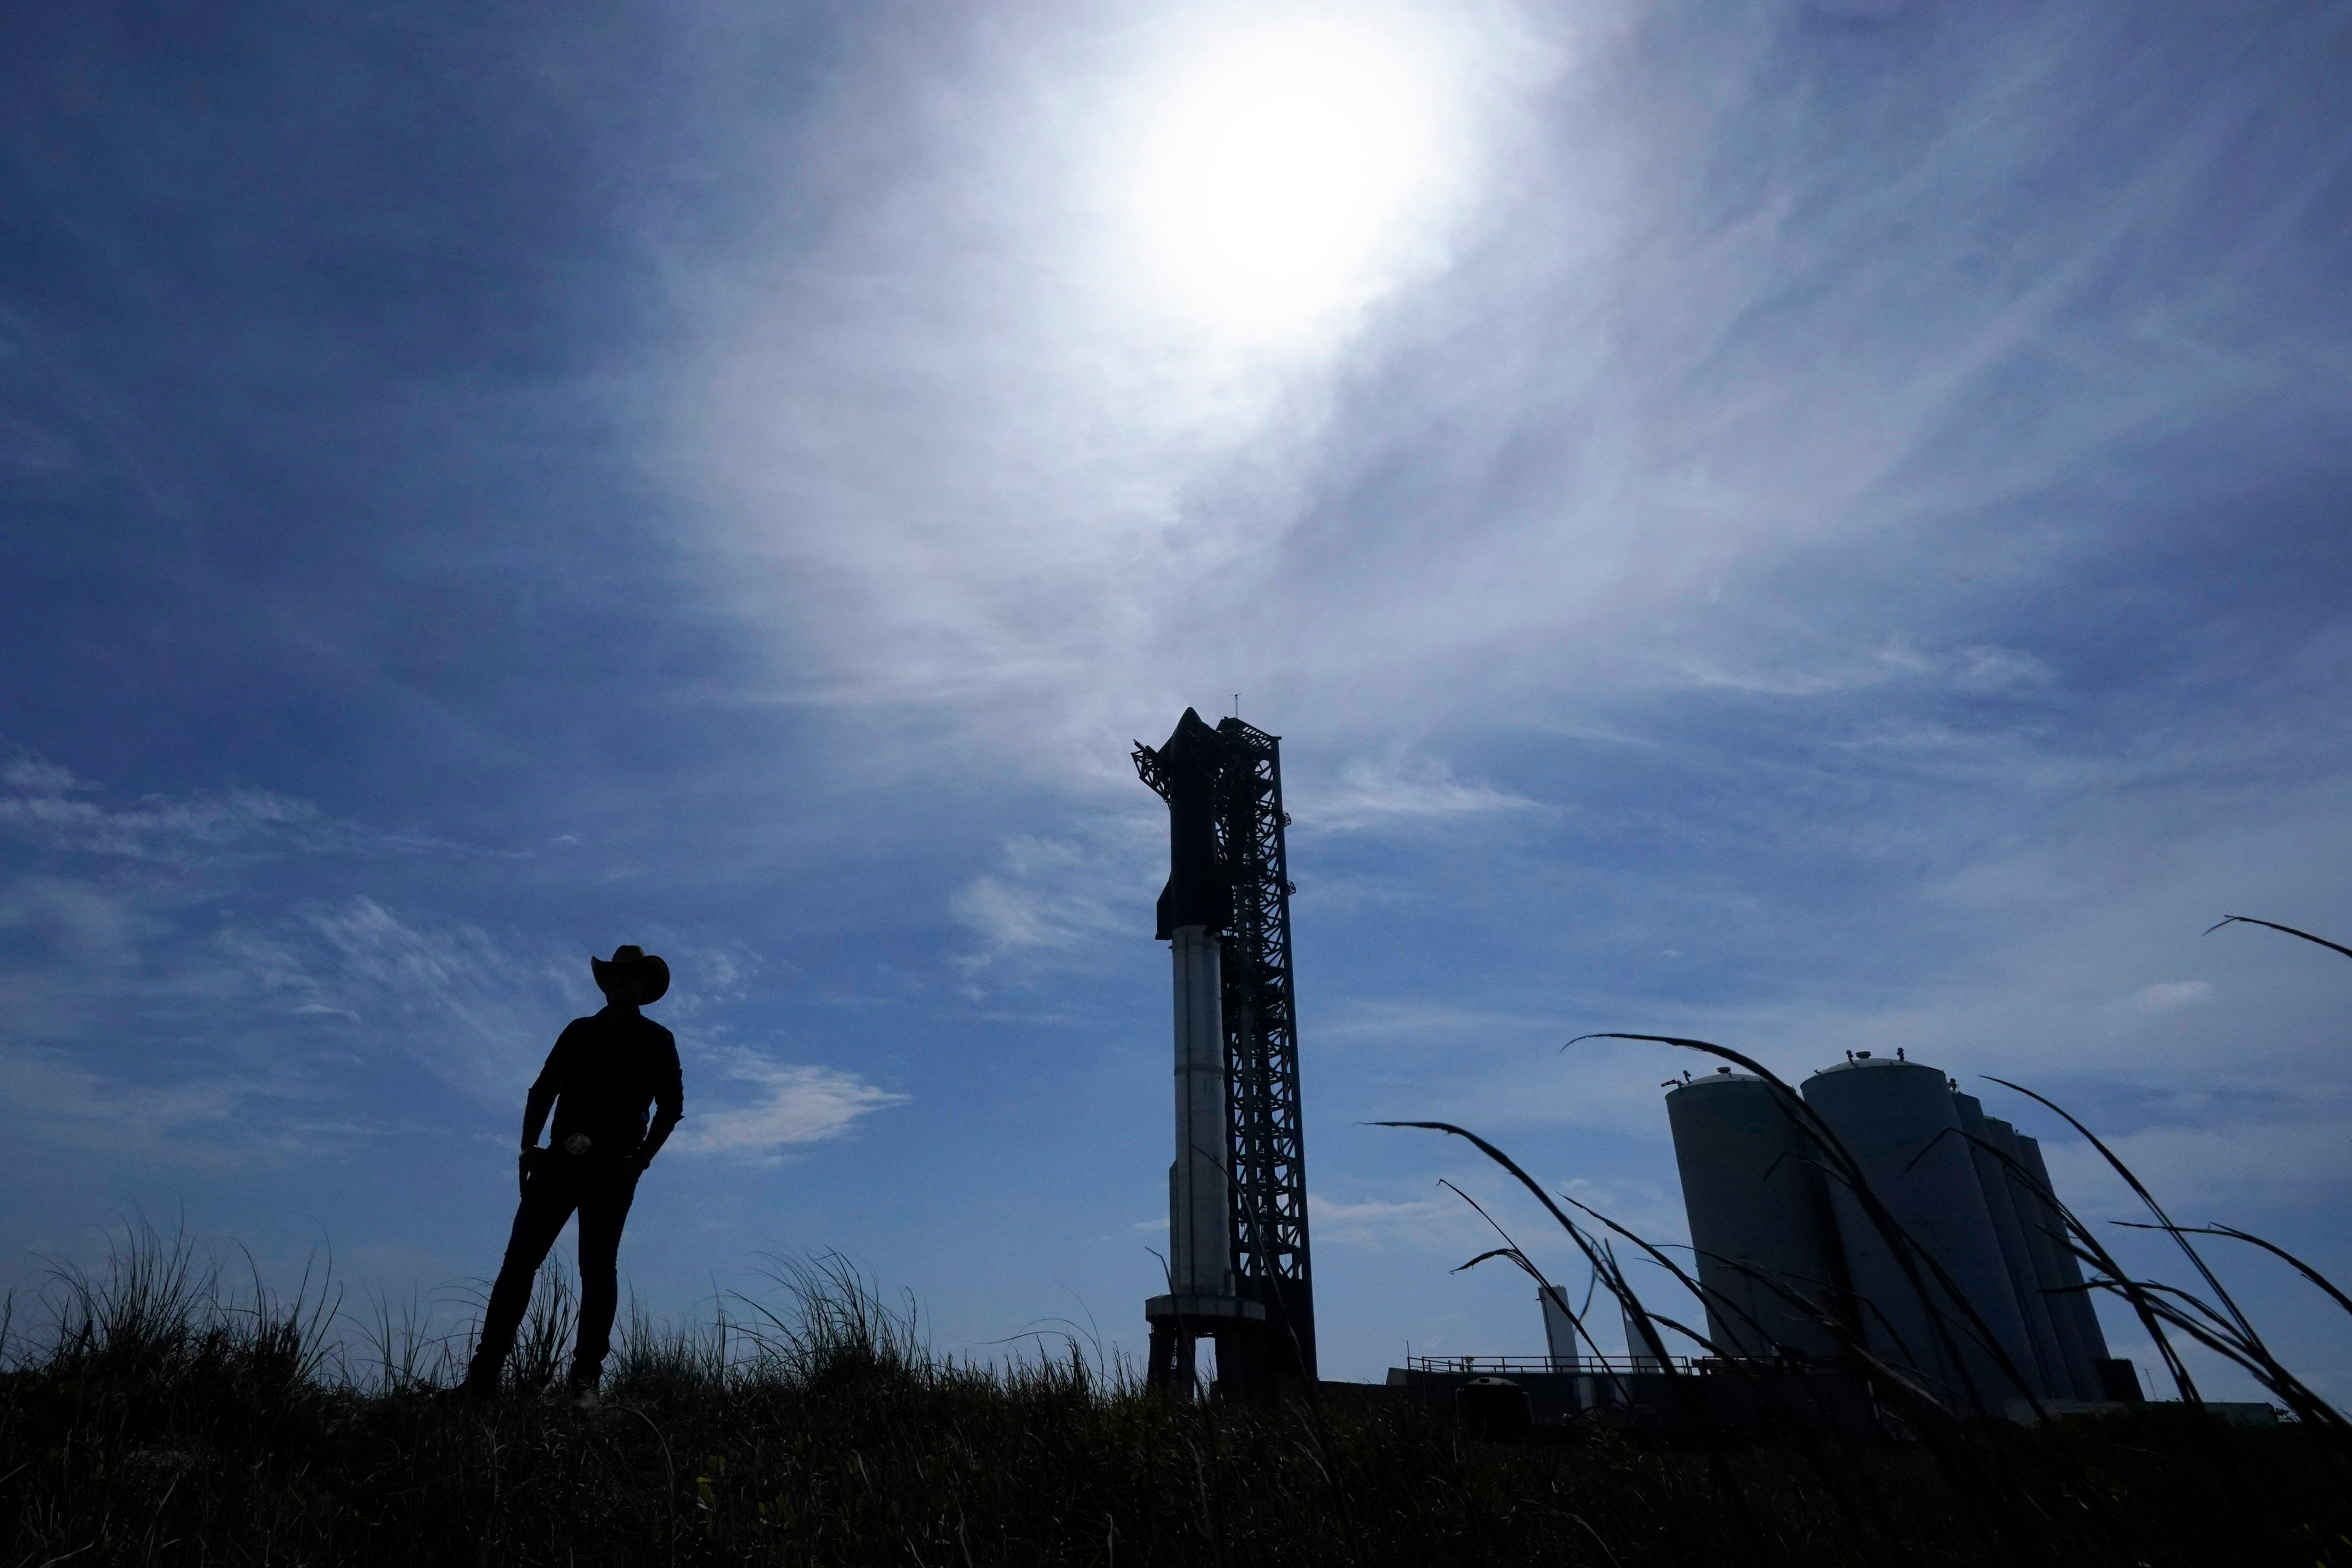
580 1389
480 1385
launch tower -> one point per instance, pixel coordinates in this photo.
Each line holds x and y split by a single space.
1238 1266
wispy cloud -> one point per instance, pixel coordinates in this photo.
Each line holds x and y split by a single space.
1639 432
474 1008
359 976
2166 996
1369 796
47 806
793 1104
51 1100
1050 903
1441 1222
477 1007
1989 668
2217 1165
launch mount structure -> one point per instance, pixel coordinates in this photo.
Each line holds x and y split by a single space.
1238 1270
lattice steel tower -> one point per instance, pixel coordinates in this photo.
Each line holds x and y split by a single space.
1249 1282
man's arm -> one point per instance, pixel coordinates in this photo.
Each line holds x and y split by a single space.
669 1100
547 1087
540 1100
538 1103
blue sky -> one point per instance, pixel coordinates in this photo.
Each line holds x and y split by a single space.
1820 526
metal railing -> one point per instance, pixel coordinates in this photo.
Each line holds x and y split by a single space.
1504 1365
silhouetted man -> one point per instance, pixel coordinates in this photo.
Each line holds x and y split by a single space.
603 1077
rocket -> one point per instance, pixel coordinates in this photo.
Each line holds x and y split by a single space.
1194 909
1191 773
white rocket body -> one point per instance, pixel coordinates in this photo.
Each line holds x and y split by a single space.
1200 1250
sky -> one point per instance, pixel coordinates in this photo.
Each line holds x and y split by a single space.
1817 526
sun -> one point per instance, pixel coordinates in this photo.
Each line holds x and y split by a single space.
1289 167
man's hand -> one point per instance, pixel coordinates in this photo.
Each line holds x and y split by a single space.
523 1169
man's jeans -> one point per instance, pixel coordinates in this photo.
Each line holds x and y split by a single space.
601 1190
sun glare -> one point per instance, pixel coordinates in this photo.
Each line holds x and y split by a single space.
1288 169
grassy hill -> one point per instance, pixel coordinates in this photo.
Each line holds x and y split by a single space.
151 1419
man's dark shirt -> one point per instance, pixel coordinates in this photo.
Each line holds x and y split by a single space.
603 1074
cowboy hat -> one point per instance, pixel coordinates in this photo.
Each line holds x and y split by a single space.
634 963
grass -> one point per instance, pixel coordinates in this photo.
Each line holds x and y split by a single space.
157 1416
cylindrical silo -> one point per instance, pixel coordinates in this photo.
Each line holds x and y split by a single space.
1753 1191
2041 1227
1559 1330
1899 1121
2070 1270
1637 1344
2048 1364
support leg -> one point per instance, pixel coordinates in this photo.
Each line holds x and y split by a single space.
538 1222
1171 1354
601 1216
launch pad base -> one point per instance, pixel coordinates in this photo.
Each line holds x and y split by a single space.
1208 1311
1179 1323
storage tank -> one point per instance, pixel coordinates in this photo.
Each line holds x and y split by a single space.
1900 1122
2070 1271
2080 1377
1638 1353
1559 1330
2048 1366
1753 1191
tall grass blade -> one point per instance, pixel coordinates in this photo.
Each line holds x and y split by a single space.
2308 1272
2139 1188
2273 925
